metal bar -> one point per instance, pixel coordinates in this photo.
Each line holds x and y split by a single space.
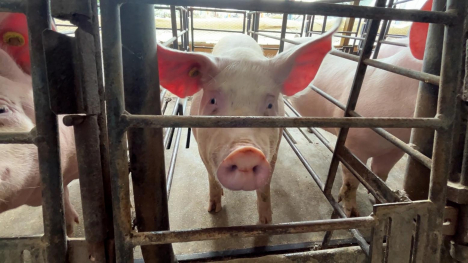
16 137
422 76
249 24
383 30
303 24
464 171
244 23
416 179
14 6
312 8
218 30
324 24
170 131
256 25
328 235
179 236
182 40
118 159
191 30
353 96
311 26
175 44
275 37
141 121
393 43
402 2
350 37
91 187
161 97
147 166
170 172
217 10
26 242
426 161
38 14
283 32
450 79
172 39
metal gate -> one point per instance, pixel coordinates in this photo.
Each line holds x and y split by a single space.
401 231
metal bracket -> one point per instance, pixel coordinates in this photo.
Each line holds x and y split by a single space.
457 193
71 72
449 227
65 9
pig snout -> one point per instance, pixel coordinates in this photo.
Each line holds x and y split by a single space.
245 168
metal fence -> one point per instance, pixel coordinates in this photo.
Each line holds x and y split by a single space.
121 112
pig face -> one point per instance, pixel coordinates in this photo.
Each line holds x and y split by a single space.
237 80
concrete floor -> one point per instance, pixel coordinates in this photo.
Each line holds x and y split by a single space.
295 197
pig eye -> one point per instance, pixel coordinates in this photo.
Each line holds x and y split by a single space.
270 106
213 101
3 109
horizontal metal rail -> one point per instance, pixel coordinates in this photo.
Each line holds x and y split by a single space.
170 40
179 236
154 121
275 37
14 6
394 43
311 8
217 10
423 159
26 242
218 30
421 76
16 138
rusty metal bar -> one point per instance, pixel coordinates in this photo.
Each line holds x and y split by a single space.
416 179
146 148
17 137
422 76
118 159
141 121
426 161
283 31
14 6
312 8
328 235
353 96
170 172
91 187
175 44
450 79
179 236
383 30
38 14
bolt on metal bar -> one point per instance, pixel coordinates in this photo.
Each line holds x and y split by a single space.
179 236
38 14
421 76
450 79
313 8
170 172
383 30
337 208
118 159
142 121
426 161
14 6
16 138
353 96
416 179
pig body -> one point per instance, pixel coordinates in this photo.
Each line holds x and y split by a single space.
19 168
383 94
238 80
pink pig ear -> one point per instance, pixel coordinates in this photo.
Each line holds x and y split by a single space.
181 72
297 67
418 34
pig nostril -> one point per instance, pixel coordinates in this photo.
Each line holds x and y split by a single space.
255 168
233 168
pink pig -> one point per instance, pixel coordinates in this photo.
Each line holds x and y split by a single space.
238 80
383 94
19 168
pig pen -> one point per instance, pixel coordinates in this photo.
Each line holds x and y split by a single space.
186 186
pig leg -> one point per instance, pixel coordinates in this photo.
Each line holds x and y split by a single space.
71 216
264 205
381 165
216 191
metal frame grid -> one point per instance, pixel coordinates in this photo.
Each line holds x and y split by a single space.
124 119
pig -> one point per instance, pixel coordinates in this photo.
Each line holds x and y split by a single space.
19 168
238 80
383 94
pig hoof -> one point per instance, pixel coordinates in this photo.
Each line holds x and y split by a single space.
265 219
214 206
70 229
352 212
309 130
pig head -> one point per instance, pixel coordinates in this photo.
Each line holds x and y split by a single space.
238 80
383 94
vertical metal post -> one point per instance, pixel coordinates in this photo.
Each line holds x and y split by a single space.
416 180
353 96
38 14
191 30
449 84
118 159
243 23
91 185
348 26
249 20
311 31
383 30
181 29
324 25
103 141
141 84
284 25
303 23
256 25
307 26
175 44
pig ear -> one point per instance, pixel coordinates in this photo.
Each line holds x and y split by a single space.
297 67
14 39
418 34
182 73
